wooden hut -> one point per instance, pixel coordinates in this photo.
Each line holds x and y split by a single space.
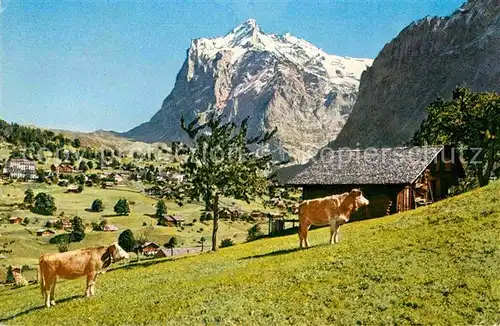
173 220
44 233
15 220
393 179
110 228
150 249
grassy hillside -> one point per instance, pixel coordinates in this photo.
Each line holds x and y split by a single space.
28 247
434 265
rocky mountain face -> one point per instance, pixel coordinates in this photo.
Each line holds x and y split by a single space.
277 80
427 60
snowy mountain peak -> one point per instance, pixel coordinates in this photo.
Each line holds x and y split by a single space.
243 35
249 37
278 80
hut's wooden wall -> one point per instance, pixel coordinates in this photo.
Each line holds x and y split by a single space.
446 169
383 198
405 199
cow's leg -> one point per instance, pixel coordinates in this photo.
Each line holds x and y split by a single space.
46 291
52 292
92 287
303 228
333 230
90 283
336 235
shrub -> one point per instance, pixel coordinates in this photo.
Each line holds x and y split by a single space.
63 246
97 206
468 183
226 243
254 233
65 237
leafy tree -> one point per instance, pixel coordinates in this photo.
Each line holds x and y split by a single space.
470 120
71 178
226 243
44 204
78 232
10 275
97 206
127 241
90 165
29 197
98 226
80 178
222 164
30 137
76 143
162 220
115 163
58 224
161 208
41 174
254 233
122 207
149 176
175 146
172 242
83 166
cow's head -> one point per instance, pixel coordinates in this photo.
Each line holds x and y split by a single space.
117 252
113 253
359 199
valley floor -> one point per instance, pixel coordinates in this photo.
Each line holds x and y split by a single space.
435 265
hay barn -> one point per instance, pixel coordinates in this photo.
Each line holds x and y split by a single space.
393 179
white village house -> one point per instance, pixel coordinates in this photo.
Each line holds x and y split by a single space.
20 168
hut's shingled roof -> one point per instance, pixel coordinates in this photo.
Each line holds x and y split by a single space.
398 165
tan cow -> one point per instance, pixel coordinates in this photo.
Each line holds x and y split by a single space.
334 210
73 264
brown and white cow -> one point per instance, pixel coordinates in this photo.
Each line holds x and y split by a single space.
90 262
334 210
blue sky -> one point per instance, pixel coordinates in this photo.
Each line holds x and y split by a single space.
87 65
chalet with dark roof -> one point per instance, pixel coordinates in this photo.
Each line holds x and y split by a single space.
393 179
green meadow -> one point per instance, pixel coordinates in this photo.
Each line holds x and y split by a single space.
27 247
436 265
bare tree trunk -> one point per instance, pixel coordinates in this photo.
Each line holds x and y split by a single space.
215 211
